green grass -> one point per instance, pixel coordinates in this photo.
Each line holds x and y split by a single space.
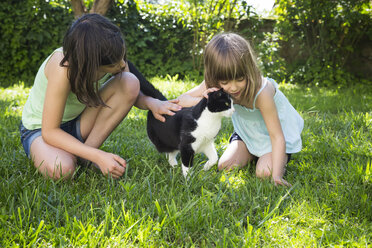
329 205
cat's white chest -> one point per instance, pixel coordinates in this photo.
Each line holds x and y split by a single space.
208 126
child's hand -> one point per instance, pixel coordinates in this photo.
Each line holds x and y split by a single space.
205 93
160 108
111 164
281 181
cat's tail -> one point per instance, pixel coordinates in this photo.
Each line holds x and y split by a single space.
146 87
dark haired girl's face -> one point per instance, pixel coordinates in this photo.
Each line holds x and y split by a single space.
113 68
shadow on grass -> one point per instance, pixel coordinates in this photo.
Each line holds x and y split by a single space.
153 205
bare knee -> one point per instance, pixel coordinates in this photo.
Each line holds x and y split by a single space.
64 171
264 166
222 164
226 164
50 161
235 156
129 86
60 168
263 172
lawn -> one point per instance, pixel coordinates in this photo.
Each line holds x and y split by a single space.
152 205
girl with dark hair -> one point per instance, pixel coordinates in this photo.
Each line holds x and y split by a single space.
267 127
81 93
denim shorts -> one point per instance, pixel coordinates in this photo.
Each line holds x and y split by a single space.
28 136
236 136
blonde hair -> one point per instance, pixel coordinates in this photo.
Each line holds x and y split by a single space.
227 57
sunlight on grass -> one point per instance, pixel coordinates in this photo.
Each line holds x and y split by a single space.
365 174
302 225
152 205
136 114
232 180
15 97
172 87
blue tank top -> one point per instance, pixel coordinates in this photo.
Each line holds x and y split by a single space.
250 125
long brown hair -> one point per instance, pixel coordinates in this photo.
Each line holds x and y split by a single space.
91 41
228 56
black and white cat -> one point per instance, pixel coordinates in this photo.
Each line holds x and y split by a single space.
191 130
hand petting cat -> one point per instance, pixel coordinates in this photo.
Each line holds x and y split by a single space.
209 90
190 99
160 108
157 107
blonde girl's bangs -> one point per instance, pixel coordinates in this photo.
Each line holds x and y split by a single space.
228 68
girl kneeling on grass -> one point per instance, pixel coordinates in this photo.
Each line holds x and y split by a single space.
267 127
81 93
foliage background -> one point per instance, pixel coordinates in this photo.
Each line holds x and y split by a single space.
29 31
311 41
326 34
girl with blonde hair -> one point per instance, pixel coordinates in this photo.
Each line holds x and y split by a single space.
267 127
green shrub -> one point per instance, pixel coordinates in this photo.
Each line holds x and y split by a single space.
324 33
30 30
157 43
270 61
162 40
169 39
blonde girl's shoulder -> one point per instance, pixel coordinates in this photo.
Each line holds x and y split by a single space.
266 95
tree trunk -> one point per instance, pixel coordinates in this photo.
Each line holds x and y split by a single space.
99 7
78 7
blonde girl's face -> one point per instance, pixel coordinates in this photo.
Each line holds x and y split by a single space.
234 87
113 68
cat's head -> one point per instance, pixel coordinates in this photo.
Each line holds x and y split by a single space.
220 102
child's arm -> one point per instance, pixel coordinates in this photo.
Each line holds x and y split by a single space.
157 107
55 100
265 103
193 96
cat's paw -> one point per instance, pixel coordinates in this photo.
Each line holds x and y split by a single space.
172 163
172 158
185 171
209 164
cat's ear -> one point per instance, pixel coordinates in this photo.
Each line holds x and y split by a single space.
213 94
220 92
